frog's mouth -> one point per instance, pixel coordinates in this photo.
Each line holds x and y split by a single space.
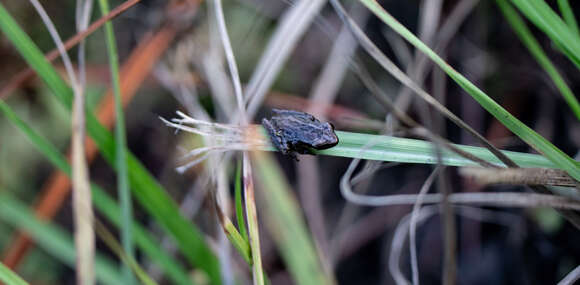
327 145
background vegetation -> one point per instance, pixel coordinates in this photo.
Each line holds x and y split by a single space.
424 94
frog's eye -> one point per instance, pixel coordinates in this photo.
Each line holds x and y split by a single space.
331 125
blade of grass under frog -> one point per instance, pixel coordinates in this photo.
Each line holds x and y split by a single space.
405 150
387 148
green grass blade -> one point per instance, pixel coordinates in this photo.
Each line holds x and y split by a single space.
31 53
387 148
286 224
104 203
525 133
9 277
258 273
239 202
550 23
568 15
124 192
146 189
535 49
52 239
237 240
404 150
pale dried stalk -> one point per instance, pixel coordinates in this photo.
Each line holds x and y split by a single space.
413 224
572 277
527 176
293 25
504 199
82 204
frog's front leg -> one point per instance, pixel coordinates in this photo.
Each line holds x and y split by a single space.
274 135
303 148
277 138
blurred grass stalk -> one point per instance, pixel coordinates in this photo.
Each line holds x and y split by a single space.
252 216
565 37
124 193
9 277
82 205
286 224
528 135
568 15
85 240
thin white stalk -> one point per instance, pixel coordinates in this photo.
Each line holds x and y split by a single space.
82 205
413 224
57 41
421 64
293 25
572 277
82 202
401 231
504 199
219 13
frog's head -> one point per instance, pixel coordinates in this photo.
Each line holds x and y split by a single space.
326 138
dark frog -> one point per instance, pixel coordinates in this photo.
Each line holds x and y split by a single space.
293 131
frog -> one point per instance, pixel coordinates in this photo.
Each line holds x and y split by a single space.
294 132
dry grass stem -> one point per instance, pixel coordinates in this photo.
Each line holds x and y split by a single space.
572 277
421 63
504 199
82 205
223 137
82 201
291 28
413 224
403 229
527 176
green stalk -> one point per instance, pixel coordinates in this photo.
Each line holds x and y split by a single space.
238 197
253 226
540 13
568 15
9 277
120 147
535 49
